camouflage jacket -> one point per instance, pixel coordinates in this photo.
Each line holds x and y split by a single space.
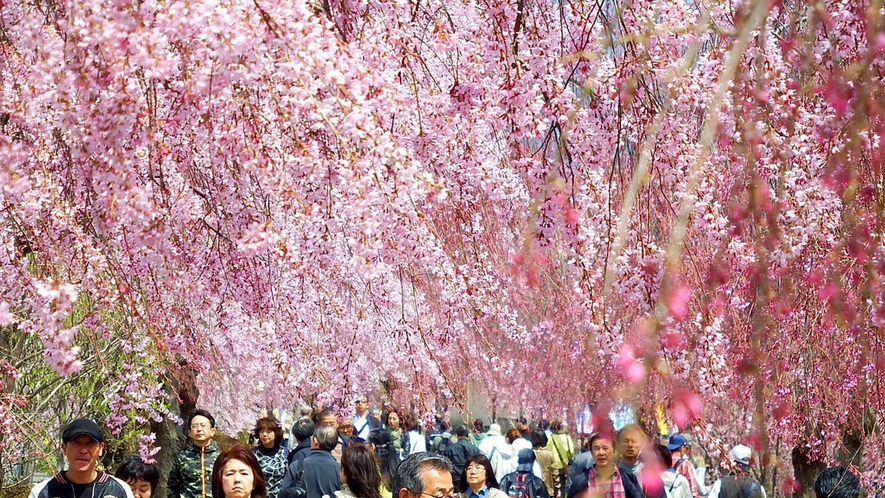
191 473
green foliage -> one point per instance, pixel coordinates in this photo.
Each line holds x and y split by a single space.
48 401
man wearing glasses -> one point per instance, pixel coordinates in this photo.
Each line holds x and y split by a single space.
191 473
363 421
424 475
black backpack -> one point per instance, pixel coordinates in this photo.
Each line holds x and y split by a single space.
439 442
519 487
296 490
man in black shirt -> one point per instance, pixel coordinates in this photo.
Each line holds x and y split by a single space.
82 443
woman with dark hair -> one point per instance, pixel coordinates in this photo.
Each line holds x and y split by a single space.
545 460
381 443
400 438
270 453
479 479
141 477
478 433
237 474
675 484
359 473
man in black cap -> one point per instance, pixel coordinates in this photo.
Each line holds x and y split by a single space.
680 450
82 442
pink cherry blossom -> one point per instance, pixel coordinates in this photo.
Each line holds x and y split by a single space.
678 303
633 371
273 202
6 318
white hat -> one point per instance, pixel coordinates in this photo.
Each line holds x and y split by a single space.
741 454
494 430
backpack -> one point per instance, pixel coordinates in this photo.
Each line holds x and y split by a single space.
519 488
439 442
296 489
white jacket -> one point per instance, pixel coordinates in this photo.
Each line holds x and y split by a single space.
500 453
675 484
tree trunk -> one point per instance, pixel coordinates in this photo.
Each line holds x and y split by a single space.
169 437
850 453
182 385
805 471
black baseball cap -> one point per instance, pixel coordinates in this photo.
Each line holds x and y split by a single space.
82 427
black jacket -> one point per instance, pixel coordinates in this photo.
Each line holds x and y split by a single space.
303 446
104 485
651 485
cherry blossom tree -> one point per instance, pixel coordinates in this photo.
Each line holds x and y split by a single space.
569 203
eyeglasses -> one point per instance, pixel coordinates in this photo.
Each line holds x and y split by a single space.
360 402
450 494
200 426
475 468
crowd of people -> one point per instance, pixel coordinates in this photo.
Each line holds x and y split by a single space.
386 455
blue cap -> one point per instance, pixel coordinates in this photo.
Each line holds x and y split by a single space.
676 442
525 460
